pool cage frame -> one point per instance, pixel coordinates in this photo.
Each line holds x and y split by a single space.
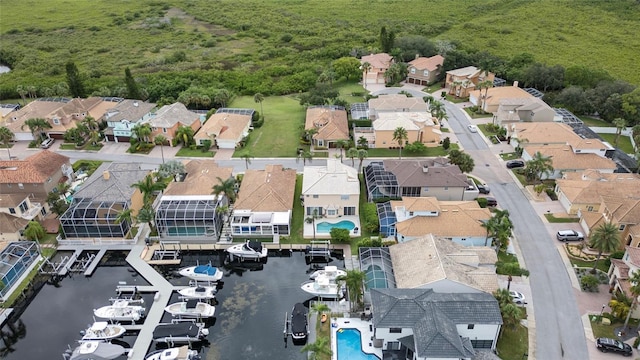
381 257
15 260
185 213
387 219
95 219
380 183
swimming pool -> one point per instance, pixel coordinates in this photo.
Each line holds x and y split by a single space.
325 227
376 278
350 346
190 231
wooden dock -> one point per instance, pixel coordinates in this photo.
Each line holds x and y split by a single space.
94 263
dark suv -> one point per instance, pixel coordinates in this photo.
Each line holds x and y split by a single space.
617 346
483 189
512 164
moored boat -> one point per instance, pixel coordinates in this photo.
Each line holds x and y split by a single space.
202 273
299 325
179 333
95 350
179 353
199 291
120 310
322 287
102 330
191 308
332 272
251 249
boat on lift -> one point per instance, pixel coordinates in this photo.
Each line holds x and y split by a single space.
299 324
180 333
120 310
251 249
198 291
323 287
191 308
179 353
332 272
102 330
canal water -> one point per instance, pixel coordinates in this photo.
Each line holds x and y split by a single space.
250 314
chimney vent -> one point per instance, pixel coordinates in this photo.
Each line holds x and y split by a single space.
425 169
515 83
135 103
106 175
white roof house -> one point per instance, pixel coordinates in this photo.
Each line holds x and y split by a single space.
335 178
406 120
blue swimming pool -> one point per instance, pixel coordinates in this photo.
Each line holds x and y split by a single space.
350 346
325 227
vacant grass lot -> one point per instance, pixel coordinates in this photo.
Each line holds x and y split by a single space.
187 152
624 143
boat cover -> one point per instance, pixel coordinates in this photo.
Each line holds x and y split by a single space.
200 289
96 350
299 318
255 246
205 269
175 330
192 303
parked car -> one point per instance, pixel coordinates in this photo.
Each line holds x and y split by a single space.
47 143
472 128
512 164
492 201
569 235
517 297
617 346
483 188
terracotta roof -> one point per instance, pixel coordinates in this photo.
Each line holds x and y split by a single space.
563 158
224 126
389 121
12 224
11 200
428 259
170 115
623 210
130 110
452 221
590 191
634 255
553 133
623 268
269 190
75 110
417 204
497 94
330 122
439 173
592 219
202 175
397 102
37 168
427 63
468 71
34 109
379 61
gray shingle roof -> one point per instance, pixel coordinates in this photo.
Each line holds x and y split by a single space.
117 188
440 172
433 317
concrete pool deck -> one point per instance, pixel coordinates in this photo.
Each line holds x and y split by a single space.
366 335
307 229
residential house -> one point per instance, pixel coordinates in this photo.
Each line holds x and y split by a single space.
11 228
566 158
6 110
548 134
76 110
424 70
226 129
329 123
583 191
20 205
187 209
34 178
420 127
395 103
169 118
437 263
124 116
621 270
622 211
265 202
102 197
37 109
434 177
463 81
332 192
495 95
524 110
423 324
378 66
413 217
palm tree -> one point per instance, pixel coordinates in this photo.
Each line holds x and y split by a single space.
354 280
247 159
487 84
306 155
91 123
400 135
340 144
319 347
142 132
362 154
36 125
184 134
511 315
605 239
125 215
147 215
634 279
259 98
539 165
34 231
147 187
6 136
160 140
366 67
312 220
226 187
320 307
620 125
23 94
352 153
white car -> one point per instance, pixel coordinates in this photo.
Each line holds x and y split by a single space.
472 128
517 297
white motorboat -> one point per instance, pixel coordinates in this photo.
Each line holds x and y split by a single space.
249 250
322 287
191 308
299 325
198 291
95 350
179 353
202 273
120 310
332 272
180 333
102 330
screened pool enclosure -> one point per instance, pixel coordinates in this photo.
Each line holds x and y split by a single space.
380 182
190 217
97 219
376 264
15 260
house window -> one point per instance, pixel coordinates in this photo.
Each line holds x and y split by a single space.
395 331
621 228
315 196
470 326
23 206
20 186
410 213
12 211
393 345
43 211
446 188
589 208
425 189
344 197
349 210
164 130
331 212
56 121
413 70
426 73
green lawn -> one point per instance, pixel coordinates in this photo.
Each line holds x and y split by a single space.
297 220
429 152
624 143
476 115
347 89
600 330
280 134
88 165
589 121
553 219
589 264
513 344
71 146
187 152
433 88
509 156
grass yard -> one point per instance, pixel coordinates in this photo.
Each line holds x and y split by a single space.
624 143
87 165
429 152
280 134
600 330
553 219
513 343
602 265
589 121
71 146
187 152
297 219
476 115
509 156
347 89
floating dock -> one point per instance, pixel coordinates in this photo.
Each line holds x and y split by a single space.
94 263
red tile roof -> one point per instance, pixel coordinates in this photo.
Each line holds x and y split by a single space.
33 170
430 63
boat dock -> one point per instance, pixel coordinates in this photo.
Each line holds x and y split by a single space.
94 263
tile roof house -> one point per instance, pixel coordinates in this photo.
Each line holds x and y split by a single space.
103 196
71 113
11 228
413 217
566 158
622 211
524 110
20 205
497 94
463 81
330 124
434 177
621 270
395 103
36 176
265 202
553 133
432 325
169 118
225 130
332 191
420 126
124 116
424 70
187 209
378 66
15 121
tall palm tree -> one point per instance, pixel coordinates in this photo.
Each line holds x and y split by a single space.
620 125
91 123
634 279
362 154
36 125
147 187
147 215
354 281
125 215
6 136
320 347
184 134
306 155
226 187
340 144
486 85
259 98
142 132
606 239
247 159
366 67
312 220
538 166
34 231
160 140
401 137
320 307
352 153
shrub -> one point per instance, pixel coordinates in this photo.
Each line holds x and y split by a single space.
369 242
615 255
589 283
339 235
206 145
286 38
446 143
370 216
482 202
258 123
552 194
510 268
